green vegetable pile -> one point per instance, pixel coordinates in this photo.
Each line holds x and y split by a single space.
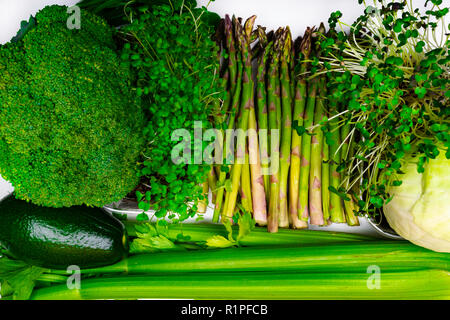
182 261
70 129
337 113
350 111
325 129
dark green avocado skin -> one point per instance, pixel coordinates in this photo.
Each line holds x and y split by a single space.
60 237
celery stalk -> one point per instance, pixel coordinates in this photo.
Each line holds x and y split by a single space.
389 256
421 284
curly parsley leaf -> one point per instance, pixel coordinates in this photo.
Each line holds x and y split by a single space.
152 239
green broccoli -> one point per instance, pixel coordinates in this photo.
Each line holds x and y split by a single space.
70 125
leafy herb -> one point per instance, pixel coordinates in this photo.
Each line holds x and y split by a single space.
155 238
171 51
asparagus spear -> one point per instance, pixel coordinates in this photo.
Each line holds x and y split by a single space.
221 107
257 182
325 176
286 126
247 103
278 36
299 109
273 100
349 206
246 190
212 182
261 102
306 150
315 180
221 114
229 153
235 83
315 177
292 65
293 83
336 209
232 56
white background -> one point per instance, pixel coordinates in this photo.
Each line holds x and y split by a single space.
297 14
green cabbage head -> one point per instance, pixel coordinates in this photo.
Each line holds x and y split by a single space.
420 208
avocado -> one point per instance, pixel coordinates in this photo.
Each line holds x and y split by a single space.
60 237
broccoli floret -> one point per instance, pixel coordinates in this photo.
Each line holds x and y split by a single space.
70 125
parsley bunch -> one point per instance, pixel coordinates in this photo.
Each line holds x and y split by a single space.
391 74
170 49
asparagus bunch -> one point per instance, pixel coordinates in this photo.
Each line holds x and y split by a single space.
243 166
286 175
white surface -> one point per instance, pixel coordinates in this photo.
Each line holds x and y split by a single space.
298 14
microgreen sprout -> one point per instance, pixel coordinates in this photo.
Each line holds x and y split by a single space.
391 71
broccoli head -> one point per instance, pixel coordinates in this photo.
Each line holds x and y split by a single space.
70 125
